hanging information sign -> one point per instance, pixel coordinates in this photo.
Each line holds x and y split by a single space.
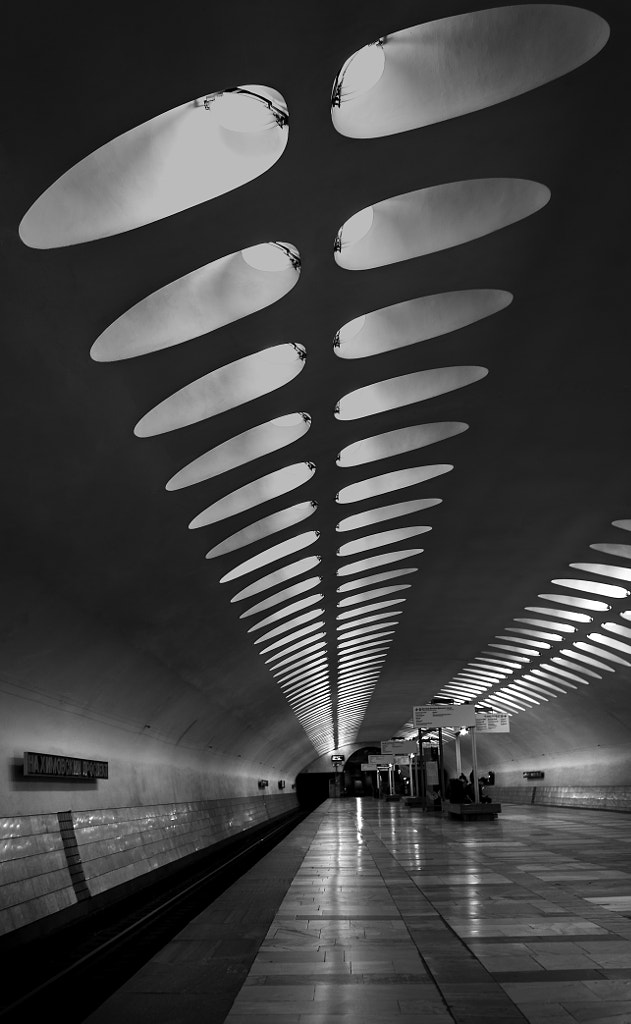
383 760
399 747
492 723
450 716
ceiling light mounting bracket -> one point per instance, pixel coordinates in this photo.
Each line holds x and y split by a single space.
280 116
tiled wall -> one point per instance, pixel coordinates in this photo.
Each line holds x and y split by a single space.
604 798
50 861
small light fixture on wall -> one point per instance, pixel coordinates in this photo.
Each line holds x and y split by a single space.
263 783
281 783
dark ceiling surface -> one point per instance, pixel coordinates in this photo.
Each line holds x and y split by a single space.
100 572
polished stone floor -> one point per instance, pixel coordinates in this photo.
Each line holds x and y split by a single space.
387 914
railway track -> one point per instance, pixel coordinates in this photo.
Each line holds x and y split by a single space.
79 967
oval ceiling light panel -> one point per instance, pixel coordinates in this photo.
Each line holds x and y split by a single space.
286 547
379 577
282 613
534 632
263 528
517 650
379 620
371 563
598 651
283 595
446 68
279 576
431 219
379 540
368 595
406 390
577 602
617 550
408 323
175 161
291 625
561 626
283 641
203 301
378 515
388 482
622 524
609 641
378 606
369 641
238 451
593 587
615 627
397 442
571 653
615 572
257 492
225 388
560 613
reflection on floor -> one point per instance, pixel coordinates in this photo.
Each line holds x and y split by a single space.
377 913
396 915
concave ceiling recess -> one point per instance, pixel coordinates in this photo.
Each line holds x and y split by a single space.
214 144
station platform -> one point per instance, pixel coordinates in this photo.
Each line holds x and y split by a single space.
375 912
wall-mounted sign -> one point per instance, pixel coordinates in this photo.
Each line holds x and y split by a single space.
492 723
59 766
336 758
399 747
533 775
451 716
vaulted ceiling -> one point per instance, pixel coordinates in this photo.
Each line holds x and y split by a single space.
273 495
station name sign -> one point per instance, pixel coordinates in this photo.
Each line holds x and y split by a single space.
61 767
453 716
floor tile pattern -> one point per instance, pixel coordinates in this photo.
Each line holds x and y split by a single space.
398 915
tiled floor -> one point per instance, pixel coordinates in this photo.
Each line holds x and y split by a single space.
394 915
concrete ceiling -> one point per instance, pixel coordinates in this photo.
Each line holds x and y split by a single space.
108 604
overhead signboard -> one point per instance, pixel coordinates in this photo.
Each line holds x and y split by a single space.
385 760
450 716
337 758
399 747
492 723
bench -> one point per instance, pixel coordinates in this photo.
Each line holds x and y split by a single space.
472 812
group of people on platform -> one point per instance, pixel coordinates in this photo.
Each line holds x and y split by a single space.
462 790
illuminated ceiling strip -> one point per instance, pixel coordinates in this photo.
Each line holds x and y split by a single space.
283 595
290 624
571 653
577 668
615 627
540 644
290 637
576 602
505 659
539 633
387 558
282 575
563 627
564 674
299 645
273 554
560 613
377 606
518 650
592 649
544 682
379 577
593 587
616 572
610 641
553 679
348 644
